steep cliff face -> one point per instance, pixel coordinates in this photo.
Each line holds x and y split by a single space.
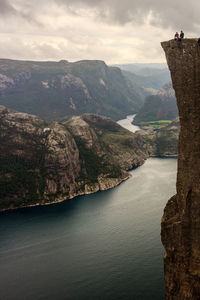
41 164
59 90
37 163
181 219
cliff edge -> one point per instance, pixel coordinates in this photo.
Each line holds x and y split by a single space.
181 219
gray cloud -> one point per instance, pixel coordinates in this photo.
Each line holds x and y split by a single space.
111 30
171 13
19 9
6 8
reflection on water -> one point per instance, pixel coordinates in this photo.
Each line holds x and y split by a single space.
100 246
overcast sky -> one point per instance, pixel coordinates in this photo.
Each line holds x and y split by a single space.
111 30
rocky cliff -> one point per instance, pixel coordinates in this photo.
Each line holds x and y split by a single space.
160 106
58 90
163 140
41 163
181 219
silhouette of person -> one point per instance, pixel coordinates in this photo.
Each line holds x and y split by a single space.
176 36
181 35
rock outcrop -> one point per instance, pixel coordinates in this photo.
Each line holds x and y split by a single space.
181 219
59 90
42 164
162 141
160 106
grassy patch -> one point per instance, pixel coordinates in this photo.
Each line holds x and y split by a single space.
156 124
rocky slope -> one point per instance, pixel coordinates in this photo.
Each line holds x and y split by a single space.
181 219
162 141
161 106
42 164
57 90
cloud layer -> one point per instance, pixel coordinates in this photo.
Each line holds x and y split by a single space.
162 13
114 31
6 7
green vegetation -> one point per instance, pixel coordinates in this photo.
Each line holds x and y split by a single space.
166 139
37 167
91 165
156 124
166 144
21 181
158 107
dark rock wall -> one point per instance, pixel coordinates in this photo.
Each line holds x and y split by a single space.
181 219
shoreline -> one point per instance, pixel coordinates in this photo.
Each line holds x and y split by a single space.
100 185
69 198
88 192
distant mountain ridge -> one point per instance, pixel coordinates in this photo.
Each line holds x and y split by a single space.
138 68
149 76
161 106
57 90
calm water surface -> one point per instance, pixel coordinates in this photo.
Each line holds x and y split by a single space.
101 246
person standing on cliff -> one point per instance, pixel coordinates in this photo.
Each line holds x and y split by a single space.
176 36
181 35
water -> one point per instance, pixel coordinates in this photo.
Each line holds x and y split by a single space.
127 123
104 246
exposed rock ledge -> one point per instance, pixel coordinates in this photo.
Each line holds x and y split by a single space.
181 219
102 185
43 164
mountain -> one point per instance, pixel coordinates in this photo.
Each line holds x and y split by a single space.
161 106
162 141
42 164
149 76
139 68
166 139
58 90
181 219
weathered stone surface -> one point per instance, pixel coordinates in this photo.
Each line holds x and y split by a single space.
43 164
181 219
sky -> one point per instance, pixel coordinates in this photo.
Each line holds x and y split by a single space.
126 31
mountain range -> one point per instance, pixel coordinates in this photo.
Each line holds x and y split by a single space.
43 164
59 90
149 76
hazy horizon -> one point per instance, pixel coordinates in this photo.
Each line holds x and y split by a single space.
63 59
